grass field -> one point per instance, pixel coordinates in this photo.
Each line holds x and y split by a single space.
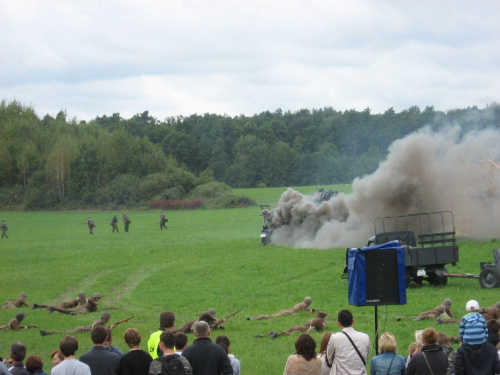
207 258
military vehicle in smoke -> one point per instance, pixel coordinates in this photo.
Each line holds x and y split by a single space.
323 196
428 240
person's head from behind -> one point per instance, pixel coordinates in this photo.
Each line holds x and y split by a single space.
132 337
223 346
57 357
68 346
443 339
307 301
20 316
305 346
98 335
325 339
34 364
167 319
345 318
387 343
412 348
167 340
201 329
17 351
429 336
222 339
181 341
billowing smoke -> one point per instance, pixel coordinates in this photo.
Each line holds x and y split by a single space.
426 171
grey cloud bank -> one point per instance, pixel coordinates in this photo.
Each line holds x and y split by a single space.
232 57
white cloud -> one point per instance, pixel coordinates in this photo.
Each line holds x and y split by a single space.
244 57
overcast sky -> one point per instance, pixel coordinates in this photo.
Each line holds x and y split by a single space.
94 58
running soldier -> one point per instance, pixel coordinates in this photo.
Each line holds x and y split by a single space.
17 303
126 221
302 306
163 220
90 223
4 229
113 223
105 316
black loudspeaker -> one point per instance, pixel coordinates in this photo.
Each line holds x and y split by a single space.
382 286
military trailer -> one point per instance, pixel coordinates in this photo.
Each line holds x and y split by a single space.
429 242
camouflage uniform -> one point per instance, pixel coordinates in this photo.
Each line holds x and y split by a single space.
90 223
4 229
163 220
113 223
126 221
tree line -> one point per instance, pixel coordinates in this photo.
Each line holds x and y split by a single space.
49 162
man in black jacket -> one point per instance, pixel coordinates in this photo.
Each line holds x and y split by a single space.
206 357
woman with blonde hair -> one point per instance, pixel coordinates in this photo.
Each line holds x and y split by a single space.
326 366
387 362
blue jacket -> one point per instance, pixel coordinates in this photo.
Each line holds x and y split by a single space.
473 329
380 364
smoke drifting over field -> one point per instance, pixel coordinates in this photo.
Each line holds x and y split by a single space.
423 172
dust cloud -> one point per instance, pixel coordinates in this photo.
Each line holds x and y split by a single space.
426 171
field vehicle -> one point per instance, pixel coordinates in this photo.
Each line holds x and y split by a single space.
323 196
429 242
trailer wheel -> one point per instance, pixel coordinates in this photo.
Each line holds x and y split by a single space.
489 278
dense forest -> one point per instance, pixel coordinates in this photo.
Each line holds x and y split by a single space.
109 162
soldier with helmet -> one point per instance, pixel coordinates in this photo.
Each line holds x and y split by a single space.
4 229
90 223
315 324
442 312
105 316
113 223
78 301
206 316
301 306
90 305
15 324
163 220
126 221
17 303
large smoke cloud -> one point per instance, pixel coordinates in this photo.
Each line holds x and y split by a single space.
424 172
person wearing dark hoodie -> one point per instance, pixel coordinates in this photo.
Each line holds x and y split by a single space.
476 355
431 356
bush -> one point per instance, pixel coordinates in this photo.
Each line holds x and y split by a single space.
229 201
44 198
11 196
175 204
210 190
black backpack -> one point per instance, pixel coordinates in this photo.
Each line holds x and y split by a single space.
172 365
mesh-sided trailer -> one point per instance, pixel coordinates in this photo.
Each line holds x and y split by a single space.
428 240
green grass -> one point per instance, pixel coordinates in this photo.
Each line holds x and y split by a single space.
207 258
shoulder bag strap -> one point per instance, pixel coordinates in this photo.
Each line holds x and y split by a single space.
355 347
428 365
388 371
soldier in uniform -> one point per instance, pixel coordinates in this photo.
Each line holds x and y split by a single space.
105 316
113 223
442 311
15 324
492 312
4 229
90 223
126 221
18 302
89 306
302 306
163 220
318 324
80 300
206 316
